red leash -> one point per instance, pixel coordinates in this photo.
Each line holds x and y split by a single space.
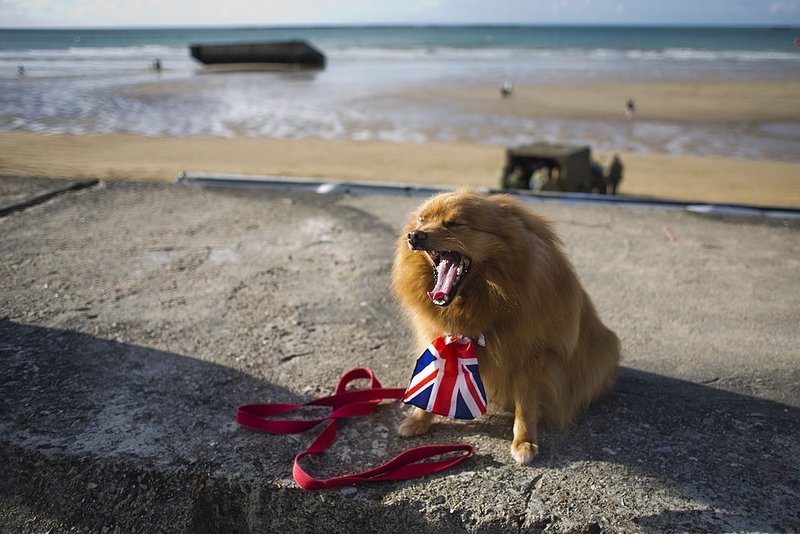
356 403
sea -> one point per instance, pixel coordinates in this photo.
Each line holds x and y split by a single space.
101 81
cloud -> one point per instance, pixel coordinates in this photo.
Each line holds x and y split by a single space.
560 5
424 5
777 8
111 13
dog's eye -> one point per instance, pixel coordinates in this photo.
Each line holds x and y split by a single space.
450 225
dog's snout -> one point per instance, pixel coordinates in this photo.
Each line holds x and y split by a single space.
415 238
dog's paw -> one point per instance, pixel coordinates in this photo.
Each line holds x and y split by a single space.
524 452
414 426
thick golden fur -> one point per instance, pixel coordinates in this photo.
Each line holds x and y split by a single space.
547 354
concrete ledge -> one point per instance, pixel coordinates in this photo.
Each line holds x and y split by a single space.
322 186
136 317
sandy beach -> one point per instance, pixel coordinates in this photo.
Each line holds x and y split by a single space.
161 159
747 104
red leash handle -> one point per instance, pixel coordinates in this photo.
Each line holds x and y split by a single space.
357 403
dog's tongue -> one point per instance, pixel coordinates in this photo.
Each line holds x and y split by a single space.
446 276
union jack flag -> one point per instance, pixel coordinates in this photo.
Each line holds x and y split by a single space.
446 380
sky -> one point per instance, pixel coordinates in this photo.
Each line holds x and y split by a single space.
137 13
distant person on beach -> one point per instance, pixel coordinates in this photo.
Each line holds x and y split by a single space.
21 71
614 176
598 181
630 108
156 65
507 89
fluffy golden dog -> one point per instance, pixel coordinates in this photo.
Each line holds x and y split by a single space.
472 264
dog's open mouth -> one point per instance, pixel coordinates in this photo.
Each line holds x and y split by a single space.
449 270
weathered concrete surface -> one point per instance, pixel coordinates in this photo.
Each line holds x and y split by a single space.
135 318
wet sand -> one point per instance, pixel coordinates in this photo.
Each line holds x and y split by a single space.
717 101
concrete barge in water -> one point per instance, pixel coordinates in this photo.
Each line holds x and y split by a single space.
288 55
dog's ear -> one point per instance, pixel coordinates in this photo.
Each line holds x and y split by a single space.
508 203
541 226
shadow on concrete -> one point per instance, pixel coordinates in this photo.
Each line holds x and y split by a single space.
96 433
736 455
99 434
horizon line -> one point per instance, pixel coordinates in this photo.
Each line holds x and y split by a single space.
377 25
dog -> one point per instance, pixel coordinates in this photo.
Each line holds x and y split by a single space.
473 265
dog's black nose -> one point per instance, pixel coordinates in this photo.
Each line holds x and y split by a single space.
415 237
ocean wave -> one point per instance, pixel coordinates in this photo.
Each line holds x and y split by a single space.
72 53
128 51
607 54
96 62
724 55
436 53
